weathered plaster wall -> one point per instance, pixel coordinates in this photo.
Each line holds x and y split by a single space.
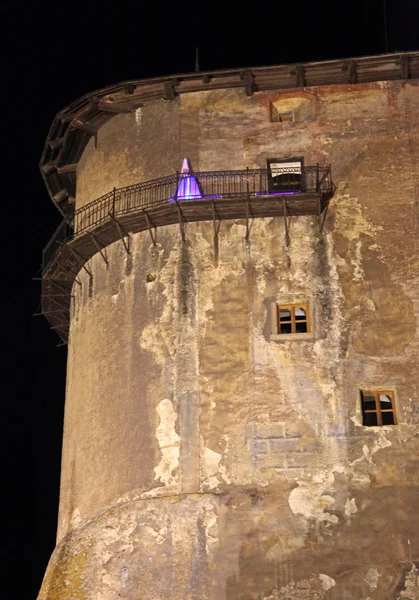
201 459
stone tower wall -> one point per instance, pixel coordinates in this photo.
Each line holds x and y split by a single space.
201 457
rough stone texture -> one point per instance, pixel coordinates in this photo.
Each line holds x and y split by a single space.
202 460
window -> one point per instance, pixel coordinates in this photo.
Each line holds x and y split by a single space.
291 321
378 408
285 174
293 318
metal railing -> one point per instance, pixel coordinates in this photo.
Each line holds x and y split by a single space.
61 235
212 184
209 184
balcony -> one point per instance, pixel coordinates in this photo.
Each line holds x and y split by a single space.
176 199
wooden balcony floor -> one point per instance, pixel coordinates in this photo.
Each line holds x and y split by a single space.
60 274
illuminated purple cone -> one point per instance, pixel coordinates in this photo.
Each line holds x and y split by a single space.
187 188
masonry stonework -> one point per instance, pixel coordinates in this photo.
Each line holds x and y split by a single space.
201 458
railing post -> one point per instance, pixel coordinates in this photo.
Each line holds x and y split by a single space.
177 185
113 201
317 178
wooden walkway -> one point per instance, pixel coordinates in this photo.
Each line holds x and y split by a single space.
60 274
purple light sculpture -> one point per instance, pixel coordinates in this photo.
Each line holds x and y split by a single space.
188 187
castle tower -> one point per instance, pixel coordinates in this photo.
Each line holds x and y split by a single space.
241 414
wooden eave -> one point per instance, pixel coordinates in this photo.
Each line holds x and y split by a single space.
73 127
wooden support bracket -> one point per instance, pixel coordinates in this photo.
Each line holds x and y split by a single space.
287 235
248 217
50 312
182 221
322 221
79 258
214 220
122 234
62 306
100 247
86 128
57 295
151 226
62 327
57 282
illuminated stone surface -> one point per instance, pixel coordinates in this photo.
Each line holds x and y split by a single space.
202 460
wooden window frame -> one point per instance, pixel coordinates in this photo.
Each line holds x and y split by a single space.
276 334
293 321
378 410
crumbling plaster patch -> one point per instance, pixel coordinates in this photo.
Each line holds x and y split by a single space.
411 585
372 577
372 299
311 499
169 442
313 588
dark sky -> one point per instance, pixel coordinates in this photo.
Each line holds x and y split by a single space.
50 55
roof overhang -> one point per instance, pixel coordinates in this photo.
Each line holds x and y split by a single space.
73 126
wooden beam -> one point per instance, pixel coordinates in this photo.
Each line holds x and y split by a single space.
181 221
122 233
63 328
404 66
51 312
94 100
57 295
79 258
324 217
57 143
247 220
49 167
169 90
64 307
300 76
214 217
60 196
287 236
129 88
66 117
249 83
115 107
72 168
150 224
352 72
85 127
100 247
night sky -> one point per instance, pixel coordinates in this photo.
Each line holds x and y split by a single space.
51 54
